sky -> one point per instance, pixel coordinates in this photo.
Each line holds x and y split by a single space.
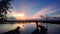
35 8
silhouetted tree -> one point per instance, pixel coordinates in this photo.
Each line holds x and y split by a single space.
4 8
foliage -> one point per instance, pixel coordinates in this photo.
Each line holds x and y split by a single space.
4 8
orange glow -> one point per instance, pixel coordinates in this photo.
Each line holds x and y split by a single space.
19 16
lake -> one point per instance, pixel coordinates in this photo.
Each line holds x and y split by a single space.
28 28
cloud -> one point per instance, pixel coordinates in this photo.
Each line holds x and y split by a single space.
56 15
46 10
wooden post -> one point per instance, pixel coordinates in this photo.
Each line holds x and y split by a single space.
37 25
37 28
46 21
46 24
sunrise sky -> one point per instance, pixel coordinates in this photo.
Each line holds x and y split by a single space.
34 8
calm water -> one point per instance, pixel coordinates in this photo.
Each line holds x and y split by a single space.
28 28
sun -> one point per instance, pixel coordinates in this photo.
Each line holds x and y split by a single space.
22 15
19 15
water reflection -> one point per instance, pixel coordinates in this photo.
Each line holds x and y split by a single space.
28 28
15 31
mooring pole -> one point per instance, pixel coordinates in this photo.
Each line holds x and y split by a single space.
46 24
46 21
37 28
37 25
